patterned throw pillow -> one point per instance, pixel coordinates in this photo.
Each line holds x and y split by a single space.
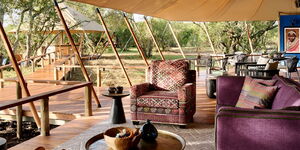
257 92
169 74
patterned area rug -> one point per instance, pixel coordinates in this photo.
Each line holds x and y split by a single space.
197 136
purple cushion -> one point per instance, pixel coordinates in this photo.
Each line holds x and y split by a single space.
287 95
158 99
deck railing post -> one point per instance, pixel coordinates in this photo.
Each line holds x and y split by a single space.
49 59
55 74
33 65
98 77
19 111
1 77
64 72
88 101
54 58
45 126
42 62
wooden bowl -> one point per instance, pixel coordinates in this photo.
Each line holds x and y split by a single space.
124 143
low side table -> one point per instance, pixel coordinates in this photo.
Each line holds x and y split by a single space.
117 114
211 86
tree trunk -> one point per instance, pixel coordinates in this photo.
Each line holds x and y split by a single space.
28 36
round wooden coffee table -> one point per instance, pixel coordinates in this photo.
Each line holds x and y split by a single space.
165 141
117 115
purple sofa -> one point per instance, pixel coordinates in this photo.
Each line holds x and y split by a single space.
255 129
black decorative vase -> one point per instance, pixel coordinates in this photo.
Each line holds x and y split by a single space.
148 131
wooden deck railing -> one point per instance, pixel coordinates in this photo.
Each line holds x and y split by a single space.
97 67
44 107
33 64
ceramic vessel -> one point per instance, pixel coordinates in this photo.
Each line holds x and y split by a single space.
112 90
119 89
148 131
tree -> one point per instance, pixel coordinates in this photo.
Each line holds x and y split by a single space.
230 37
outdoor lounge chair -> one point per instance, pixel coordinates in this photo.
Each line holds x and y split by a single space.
169 96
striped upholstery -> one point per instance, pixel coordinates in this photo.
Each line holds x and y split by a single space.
257 93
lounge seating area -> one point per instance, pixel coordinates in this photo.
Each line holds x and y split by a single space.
267 126
154 75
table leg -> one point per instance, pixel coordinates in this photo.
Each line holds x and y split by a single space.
117 115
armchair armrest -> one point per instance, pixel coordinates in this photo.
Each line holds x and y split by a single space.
185 93
138 90
240 128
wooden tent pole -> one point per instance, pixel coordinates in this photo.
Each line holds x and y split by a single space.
112 45
83 69
135 40
208 37
153 38
19 73
173 33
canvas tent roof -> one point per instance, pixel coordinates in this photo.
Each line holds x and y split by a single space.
202 10
74 17
79 22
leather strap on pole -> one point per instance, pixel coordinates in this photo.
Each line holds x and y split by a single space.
76 52
19 73
113 46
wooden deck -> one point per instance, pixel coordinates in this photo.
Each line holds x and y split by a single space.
70 106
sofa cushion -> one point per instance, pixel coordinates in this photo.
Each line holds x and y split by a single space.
288 94
256 92
168 75
158 99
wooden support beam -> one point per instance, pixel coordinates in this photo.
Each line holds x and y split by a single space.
88 101
249 38
76 52
1 77
176 40
45 127
19 111
113 46
208 37
18 72
153 38
135 40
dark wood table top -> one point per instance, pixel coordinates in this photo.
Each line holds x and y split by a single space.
107 94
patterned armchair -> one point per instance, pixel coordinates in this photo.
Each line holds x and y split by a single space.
169 96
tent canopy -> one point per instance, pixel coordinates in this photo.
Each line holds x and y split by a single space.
77 22
202 10
80 22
